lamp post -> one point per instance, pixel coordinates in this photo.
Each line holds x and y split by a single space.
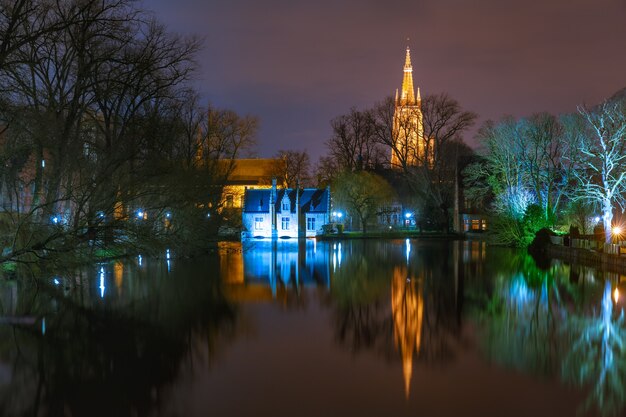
408 216
337 216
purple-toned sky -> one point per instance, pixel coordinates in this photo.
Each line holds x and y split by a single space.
297 64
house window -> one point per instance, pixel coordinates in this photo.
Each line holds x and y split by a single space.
258 223
475 224
310 223
285 205
229 200
285 223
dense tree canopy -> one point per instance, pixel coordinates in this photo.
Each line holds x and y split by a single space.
98 123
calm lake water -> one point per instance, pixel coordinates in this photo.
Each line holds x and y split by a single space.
365 328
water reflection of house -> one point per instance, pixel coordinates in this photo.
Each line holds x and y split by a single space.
264 270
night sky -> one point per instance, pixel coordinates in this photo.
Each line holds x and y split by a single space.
297 64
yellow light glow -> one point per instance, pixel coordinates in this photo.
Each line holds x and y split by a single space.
616 295
617 230
407 306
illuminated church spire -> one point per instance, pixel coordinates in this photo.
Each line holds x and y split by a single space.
408 92
408 128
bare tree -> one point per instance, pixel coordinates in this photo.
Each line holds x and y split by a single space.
294 168
353 143
602 177
326 171
91 101
427 160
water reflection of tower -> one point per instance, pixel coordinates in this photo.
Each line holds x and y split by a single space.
407 305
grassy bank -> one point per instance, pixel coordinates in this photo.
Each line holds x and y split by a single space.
395 234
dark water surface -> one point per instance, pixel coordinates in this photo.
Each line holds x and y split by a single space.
364 328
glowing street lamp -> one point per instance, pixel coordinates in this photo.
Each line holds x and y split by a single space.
408 216
617 231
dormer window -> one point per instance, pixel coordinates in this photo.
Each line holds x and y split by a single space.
286 205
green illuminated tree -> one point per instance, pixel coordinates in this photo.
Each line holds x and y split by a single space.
362 194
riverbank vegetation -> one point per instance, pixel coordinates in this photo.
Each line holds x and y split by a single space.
549 171
103 142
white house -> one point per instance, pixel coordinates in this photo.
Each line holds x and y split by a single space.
285 213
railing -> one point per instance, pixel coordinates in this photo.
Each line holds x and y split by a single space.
610 248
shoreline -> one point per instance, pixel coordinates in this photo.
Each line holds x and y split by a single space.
587 257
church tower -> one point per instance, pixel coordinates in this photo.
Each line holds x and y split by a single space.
408 125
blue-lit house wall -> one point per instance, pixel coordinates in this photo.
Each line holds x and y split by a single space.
285 213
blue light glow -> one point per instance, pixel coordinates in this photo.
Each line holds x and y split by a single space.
139 260
408 250
519 292
102 287
56 281
339 255
140 214
43 326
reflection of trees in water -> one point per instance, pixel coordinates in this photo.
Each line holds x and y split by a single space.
362 320
598 356
365 327
522 329
545 322
101 360
422 321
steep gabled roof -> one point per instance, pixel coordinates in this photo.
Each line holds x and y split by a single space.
312 200
256 201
